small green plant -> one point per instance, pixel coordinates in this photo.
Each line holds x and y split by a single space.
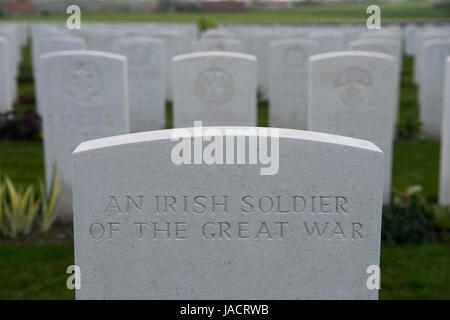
441 216
204 24
19 207
3 218
49 201
408 128
412 219
16 125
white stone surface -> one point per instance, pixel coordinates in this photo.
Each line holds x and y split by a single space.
217 44
173 47
84 94
218 88
392 32
432 83
49 44
102 38
217 33
247 250
146 82
329 40
354 94
288 82
261 50
5 92
58 43
386 46
39 34
420 39
444 180
7 33
410 32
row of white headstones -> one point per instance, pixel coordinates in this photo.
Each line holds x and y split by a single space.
329 188
220 88
12 38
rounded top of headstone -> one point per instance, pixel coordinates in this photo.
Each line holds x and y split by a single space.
239 131
85 53
216 54
352 53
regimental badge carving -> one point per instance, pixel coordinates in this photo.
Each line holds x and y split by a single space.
214 86
294 57
84 84
353 85
138 55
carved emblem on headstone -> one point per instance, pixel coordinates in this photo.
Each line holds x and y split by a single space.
353 84
84 83
214 86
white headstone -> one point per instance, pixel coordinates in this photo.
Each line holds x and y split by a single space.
11 45
444 181
386 33
217 33
432 83
386 46
147 228
288 82
5 91
262 42
329 40
39 34
420 39
146 82
218 88
173 47
52 44
354 94
410 32
216 44
84 94
102 38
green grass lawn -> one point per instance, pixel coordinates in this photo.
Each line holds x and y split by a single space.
308 13
417 162
35 271
415 272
